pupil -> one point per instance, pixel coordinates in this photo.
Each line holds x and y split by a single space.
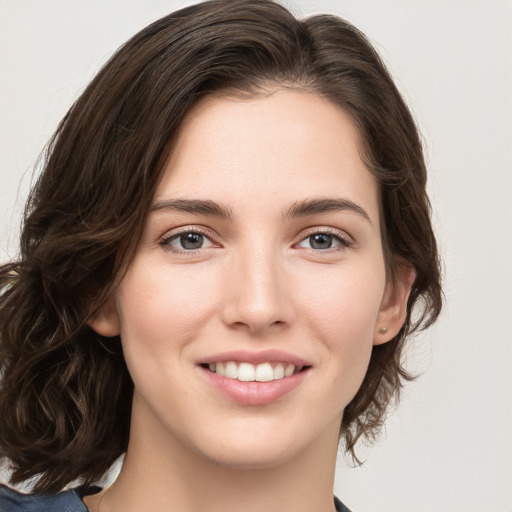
191 240
321 241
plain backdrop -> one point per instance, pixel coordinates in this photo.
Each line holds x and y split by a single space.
448 447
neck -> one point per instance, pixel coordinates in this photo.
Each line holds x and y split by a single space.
163 474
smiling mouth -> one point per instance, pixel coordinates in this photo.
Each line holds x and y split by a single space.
247 372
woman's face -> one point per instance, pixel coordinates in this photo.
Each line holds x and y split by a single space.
249 312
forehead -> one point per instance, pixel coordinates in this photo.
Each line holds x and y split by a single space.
276 149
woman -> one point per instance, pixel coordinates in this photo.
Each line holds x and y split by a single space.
219 266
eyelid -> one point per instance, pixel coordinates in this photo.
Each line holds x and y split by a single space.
345 239
176 232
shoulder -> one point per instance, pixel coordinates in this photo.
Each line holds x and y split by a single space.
65 501
339 506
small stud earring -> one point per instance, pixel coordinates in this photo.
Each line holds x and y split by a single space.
383 330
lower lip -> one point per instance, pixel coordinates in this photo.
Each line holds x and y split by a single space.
254 393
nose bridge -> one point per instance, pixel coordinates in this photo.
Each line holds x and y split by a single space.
258 295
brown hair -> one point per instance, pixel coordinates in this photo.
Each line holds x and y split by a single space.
65 393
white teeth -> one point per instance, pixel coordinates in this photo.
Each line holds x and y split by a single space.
230 370
289 370
264 373
247 372
279 371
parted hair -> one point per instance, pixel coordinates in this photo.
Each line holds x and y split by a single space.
65 391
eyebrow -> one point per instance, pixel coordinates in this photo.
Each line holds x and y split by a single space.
198 206
303 208
316 206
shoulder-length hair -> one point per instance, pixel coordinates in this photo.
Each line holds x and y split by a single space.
65 395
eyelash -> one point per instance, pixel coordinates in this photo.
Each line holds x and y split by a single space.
166 241
342 238
344 242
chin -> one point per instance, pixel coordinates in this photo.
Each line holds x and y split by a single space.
252 458
262 448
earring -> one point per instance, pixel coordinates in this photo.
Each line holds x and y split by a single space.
383 330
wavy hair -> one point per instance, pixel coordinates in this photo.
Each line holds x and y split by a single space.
65 392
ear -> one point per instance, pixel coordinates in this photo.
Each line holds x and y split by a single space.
106 320
393 308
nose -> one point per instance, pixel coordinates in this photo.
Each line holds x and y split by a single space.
258 293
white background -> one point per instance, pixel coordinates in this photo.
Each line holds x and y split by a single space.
448 447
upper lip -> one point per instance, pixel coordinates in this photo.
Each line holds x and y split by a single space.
256 357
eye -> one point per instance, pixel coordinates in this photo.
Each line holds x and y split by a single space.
187 241
323 241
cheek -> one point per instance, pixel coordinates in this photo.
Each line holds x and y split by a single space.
344 302
342 313
157 304
161 314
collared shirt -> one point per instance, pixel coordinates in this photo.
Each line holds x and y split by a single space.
65 501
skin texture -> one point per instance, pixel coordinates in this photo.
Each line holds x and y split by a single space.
256 283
